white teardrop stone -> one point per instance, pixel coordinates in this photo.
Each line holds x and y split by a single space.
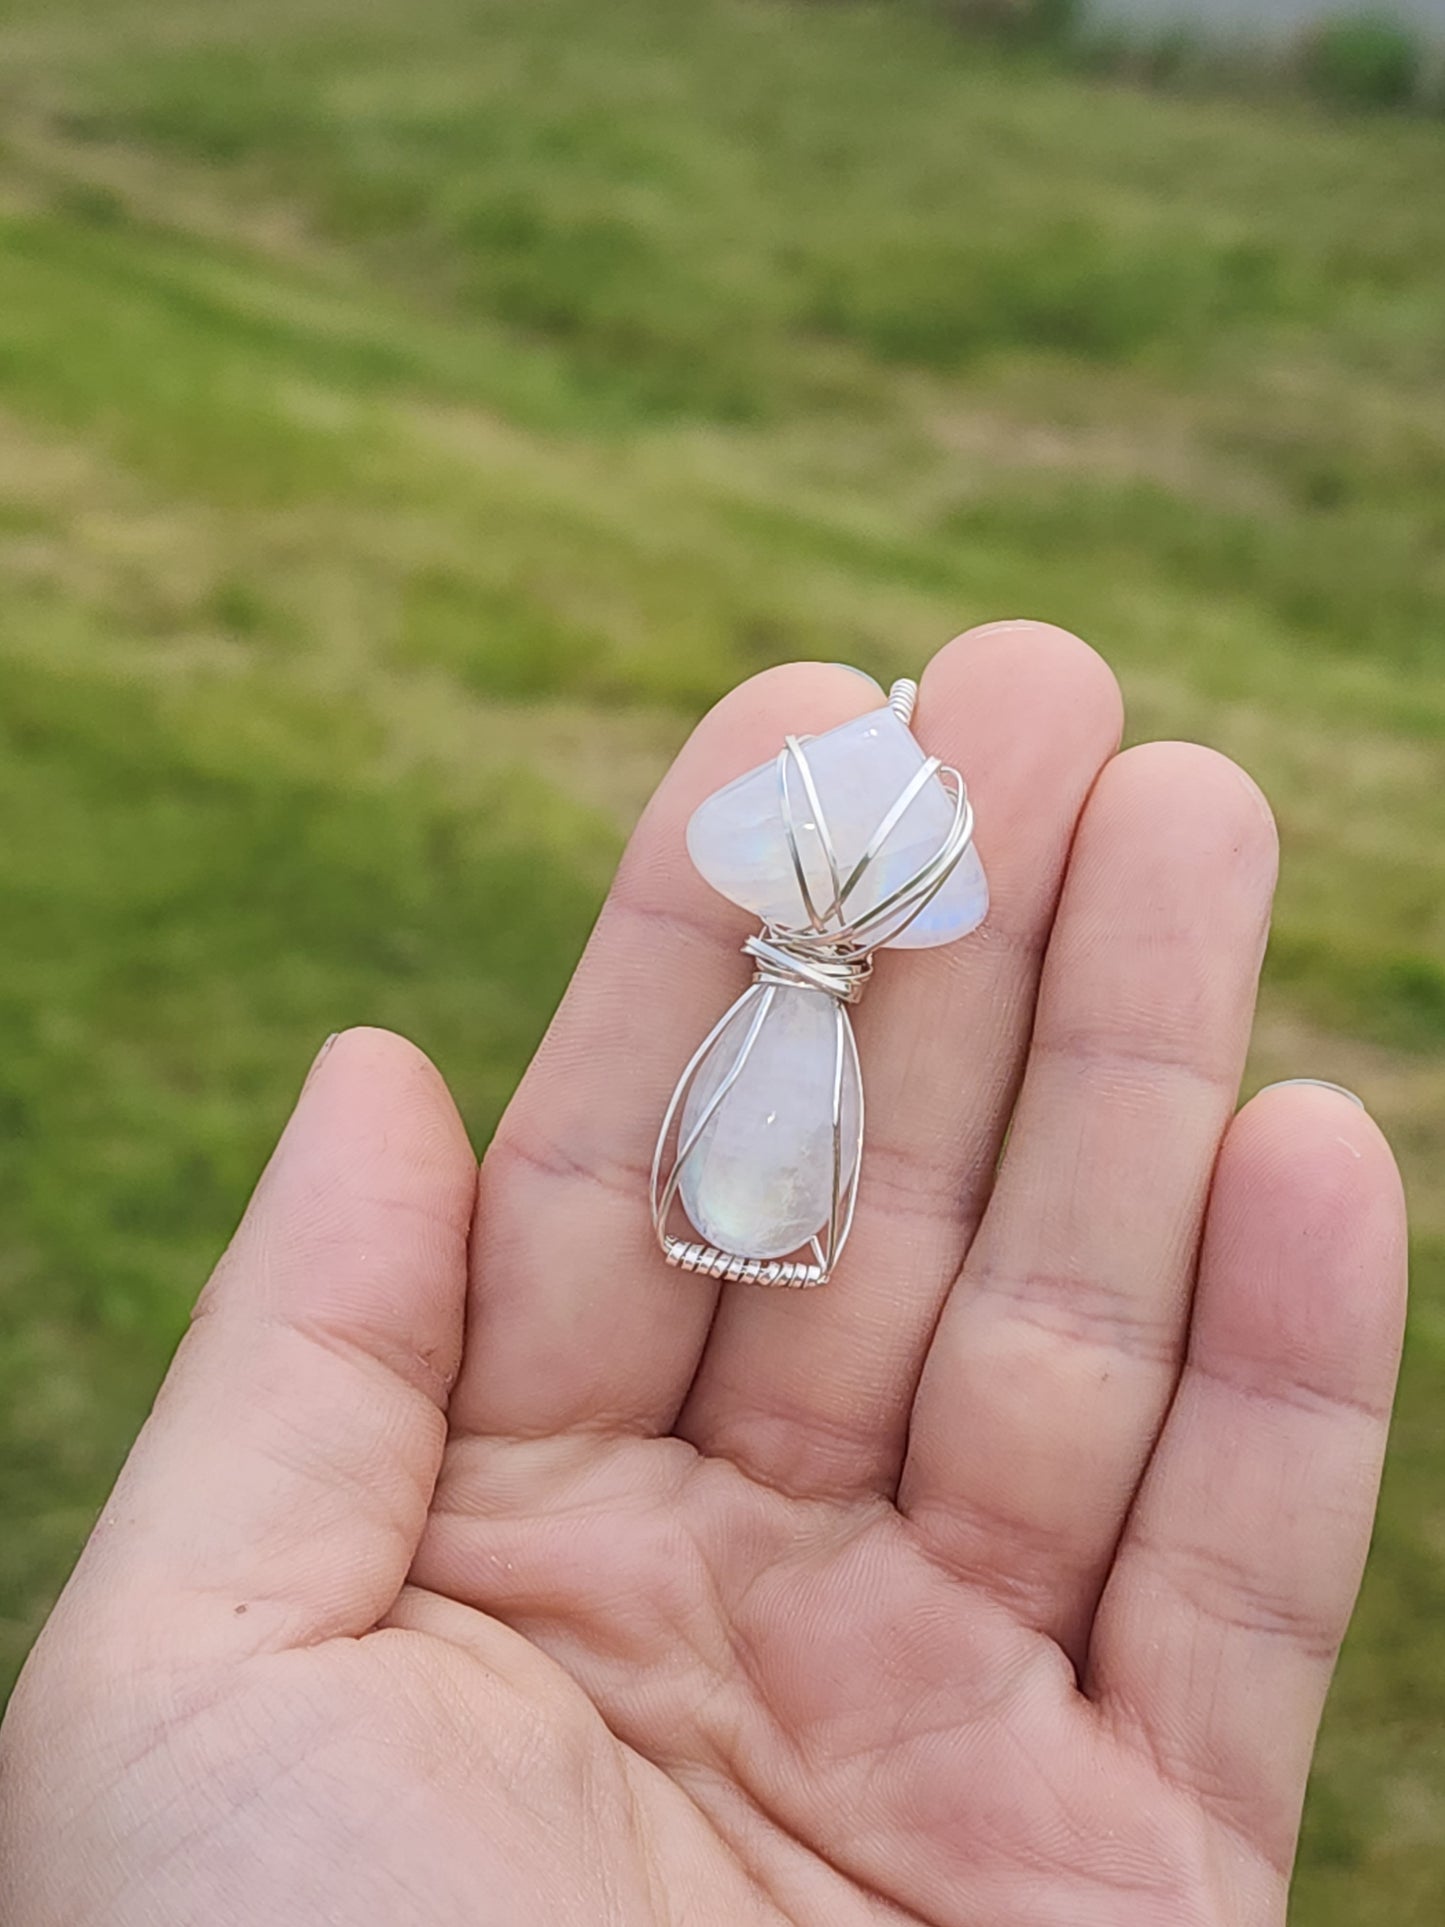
759 1182
739 844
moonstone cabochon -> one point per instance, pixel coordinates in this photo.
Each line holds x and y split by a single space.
737 840
759 1180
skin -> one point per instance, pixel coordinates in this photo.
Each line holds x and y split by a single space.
474 1567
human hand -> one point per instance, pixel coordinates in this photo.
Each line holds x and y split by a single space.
476 1568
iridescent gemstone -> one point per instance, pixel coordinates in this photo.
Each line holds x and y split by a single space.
760 1179
739 844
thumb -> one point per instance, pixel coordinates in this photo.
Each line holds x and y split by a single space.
279 1488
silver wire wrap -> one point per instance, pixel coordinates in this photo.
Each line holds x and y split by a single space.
832 953
781 961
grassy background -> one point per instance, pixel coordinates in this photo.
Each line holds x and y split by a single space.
410 414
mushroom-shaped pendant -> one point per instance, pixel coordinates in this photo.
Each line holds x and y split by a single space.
842 845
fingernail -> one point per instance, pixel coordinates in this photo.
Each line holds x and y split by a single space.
1320 1084
319 1059
997 628
852 671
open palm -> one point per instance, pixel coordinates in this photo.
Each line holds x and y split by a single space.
475 1568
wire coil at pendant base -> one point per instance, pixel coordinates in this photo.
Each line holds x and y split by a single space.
729 1268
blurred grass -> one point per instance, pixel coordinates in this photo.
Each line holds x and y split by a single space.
410 415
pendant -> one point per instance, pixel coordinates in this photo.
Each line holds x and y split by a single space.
843 844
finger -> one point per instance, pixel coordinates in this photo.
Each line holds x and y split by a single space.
814 1389
1218 1631
575 1321
277 1493
1055 1358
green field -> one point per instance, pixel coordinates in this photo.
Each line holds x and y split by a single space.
413 411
